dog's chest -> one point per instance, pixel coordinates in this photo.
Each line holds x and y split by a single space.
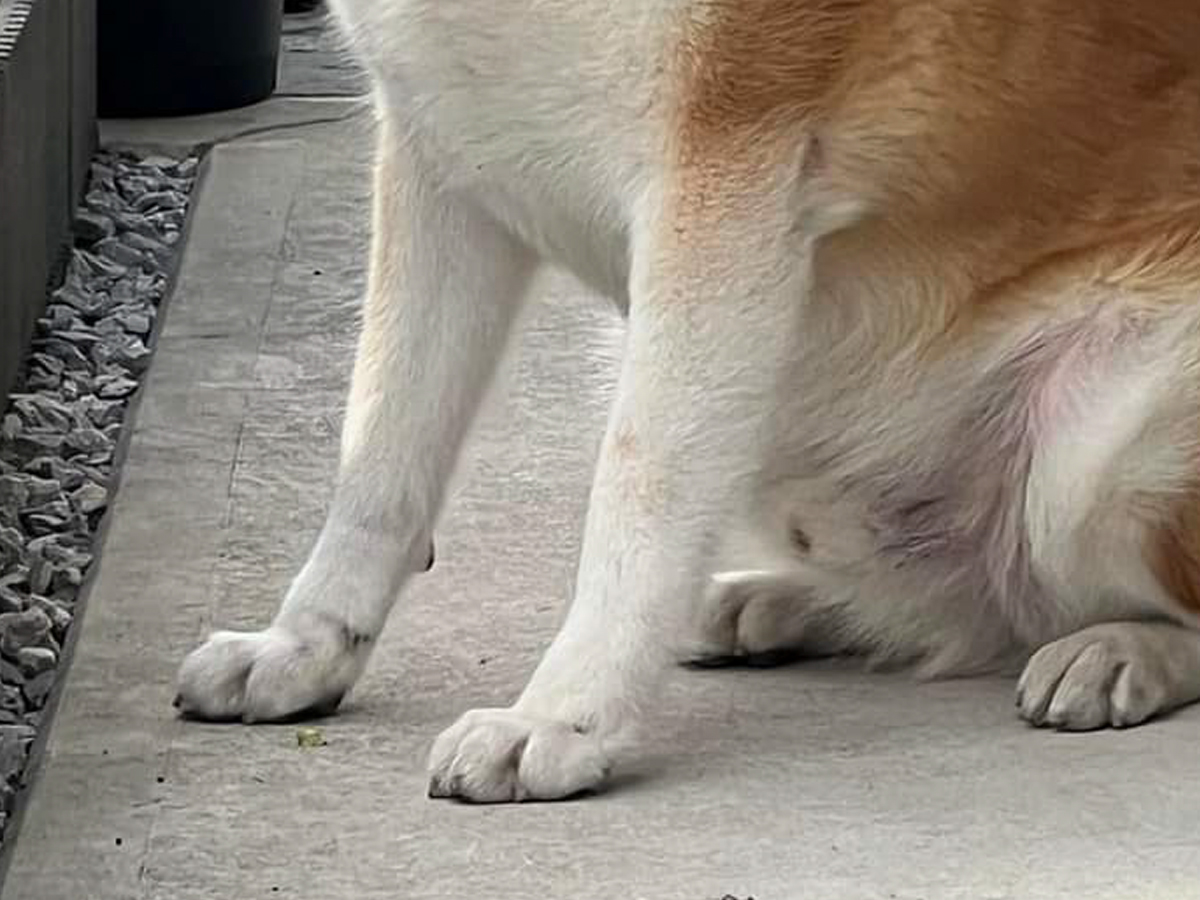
480 89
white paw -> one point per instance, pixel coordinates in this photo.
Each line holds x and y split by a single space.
266 676
499 756
757 618
1095 678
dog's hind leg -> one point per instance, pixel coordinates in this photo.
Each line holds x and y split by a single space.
760 618
1114 674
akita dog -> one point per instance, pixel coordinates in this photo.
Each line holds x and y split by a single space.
912 366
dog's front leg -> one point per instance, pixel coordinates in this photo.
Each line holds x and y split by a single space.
716 293
445 284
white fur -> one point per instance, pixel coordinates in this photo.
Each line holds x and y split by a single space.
742 409
1115 674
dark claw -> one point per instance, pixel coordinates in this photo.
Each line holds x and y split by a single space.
772 659
330 706
429 565
178 701
767 659
322 709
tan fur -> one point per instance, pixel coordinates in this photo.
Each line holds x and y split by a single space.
972 128
993 177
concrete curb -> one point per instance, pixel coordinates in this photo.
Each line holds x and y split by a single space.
37 752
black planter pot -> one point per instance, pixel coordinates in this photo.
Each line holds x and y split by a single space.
180 57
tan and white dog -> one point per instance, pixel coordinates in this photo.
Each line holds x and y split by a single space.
913 358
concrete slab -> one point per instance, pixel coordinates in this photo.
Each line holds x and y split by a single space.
819 782
275 116
315 60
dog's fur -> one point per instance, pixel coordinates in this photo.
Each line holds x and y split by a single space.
913 291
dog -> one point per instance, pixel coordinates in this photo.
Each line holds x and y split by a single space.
912 366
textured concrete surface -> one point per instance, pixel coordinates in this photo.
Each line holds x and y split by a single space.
314 58
808 783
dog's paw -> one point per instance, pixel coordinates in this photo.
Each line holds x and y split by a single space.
756 619
266 676
502 756
1096 678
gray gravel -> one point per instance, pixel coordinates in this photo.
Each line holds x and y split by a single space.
59 431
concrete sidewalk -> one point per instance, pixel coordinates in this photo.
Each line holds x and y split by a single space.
817 782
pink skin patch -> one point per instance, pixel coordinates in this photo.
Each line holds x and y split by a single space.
1065 365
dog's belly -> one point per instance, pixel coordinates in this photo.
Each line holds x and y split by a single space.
988 501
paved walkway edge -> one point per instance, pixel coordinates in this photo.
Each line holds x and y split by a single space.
253 184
